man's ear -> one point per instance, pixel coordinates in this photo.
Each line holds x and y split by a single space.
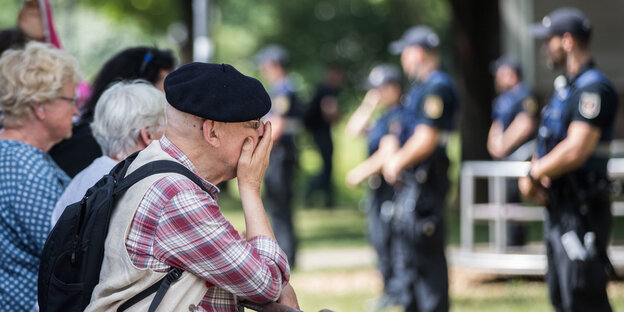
210 132
567 42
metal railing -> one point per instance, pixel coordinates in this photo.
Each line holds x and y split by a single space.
497 212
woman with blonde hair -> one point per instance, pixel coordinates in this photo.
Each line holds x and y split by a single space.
37 98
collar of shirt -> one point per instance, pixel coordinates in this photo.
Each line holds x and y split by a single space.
178 155
589 65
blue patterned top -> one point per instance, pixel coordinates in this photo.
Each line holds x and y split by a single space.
30 185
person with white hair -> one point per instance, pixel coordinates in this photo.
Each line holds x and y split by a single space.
127 118
37 98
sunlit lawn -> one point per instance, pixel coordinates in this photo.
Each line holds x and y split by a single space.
355 288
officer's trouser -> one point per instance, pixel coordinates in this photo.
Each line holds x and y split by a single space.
279 179
322 138
379 208
418 246
576 285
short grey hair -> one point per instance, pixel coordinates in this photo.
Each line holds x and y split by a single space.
122 111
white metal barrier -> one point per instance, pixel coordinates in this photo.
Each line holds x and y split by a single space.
497 257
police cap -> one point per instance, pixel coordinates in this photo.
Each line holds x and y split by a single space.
272 53
561 21
506 61
383 74
216 92
422 36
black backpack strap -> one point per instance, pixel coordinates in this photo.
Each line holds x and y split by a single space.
160 288
156 167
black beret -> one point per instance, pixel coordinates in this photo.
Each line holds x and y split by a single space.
216 92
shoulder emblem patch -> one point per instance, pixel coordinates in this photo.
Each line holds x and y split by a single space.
434 106
530 106
589 105
281 104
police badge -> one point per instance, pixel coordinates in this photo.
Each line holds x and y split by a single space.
589 105
434 106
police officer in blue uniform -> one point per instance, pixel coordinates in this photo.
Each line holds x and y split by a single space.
419 171
512 134
321 114
514 114
285 116
384 83
569 172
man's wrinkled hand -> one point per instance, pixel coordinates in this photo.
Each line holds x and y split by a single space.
253 162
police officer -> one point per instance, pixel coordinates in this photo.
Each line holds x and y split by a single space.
514 114
511 136
285 115
569 172
321 114
419 169
384 83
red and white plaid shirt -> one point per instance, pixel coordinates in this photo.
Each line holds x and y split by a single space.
177 224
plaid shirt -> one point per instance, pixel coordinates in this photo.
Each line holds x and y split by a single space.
177 224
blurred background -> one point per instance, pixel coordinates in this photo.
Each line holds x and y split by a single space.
337 267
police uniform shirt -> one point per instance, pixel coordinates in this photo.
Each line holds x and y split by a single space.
314 115
388 123
592 99
596 104
433 102
513 102
284 101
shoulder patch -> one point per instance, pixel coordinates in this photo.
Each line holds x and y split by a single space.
281 104
434 106
530 106
589 105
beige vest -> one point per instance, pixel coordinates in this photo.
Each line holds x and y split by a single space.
120 280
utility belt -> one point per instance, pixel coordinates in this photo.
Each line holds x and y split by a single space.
291 126
419 203
602 150
443 138
580 209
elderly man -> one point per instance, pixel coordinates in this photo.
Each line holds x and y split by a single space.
214 129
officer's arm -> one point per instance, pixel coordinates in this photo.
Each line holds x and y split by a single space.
418 147
358 121
495 140
570 153
329 109
388 145
517 133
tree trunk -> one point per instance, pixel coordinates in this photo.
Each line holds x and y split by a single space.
476 43
186 50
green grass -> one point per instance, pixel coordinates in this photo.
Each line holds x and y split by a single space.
355 288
